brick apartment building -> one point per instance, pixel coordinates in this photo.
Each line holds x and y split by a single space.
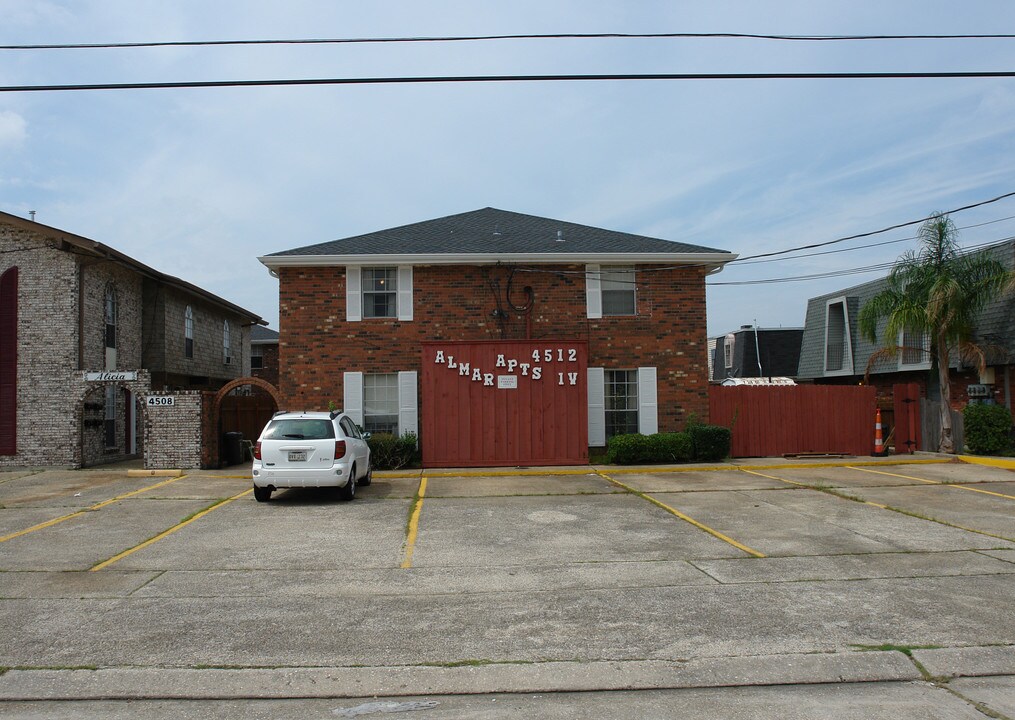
497 337
86 333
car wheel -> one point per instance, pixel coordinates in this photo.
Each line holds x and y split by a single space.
349 491
369 477
262 494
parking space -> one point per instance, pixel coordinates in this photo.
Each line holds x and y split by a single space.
423 569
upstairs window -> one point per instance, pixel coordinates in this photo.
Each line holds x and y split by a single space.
838 348
256 357
111 317
380 292
727 350
915 353
188 333
617 284
227 355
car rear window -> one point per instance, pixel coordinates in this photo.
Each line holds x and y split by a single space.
300 429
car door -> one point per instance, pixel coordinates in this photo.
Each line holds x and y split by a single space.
358 446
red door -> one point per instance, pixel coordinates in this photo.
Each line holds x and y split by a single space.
8 361
504 403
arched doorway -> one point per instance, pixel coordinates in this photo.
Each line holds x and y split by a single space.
242 406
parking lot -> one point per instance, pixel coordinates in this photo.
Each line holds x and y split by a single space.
443 583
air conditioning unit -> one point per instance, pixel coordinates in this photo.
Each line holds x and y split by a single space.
980 391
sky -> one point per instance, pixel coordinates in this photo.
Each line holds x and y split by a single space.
199 182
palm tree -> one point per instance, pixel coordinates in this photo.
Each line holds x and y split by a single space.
937 292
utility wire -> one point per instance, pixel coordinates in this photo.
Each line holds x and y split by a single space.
519 36
864 247
872 232
432 79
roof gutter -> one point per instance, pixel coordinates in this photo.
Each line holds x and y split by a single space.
714 262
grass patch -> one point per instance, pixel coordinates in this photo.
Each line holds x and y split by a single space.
53 667
906 650
476 663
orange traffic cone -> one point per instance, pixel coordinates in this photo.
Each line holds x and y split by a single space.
879 445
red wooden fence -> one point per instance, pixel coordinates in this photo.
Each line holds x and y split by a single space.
774 420
512 402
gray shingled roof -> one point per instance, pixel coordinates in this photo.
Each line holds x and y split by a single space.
494 231
262 335
995 326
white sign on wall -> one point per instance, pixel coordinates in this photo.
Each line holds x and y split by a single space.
161 400
121 375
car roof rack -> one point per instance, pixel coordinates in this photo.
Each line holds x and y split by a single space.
335 413
280 412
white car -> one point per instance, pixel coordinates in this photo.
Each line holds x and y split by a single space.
311 449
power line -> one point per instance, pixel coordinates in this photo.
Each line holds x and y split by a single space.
433 79
519 36
873 232
864 247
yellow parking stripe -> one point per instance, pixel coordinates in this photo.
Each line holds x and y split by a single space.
170 531
852 498
104 503
933 482
686 518
413 529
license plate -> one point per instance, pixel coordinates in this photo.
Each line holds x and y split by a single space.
297 456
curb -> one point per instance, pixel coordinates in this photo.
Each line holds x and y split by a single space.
1006 463
154 473
630 470
407 681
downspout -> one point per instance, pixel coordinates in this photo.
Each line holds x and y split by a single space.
757 349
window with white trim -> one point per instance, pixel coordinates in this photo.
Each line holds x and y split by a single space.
256 357
838 347
380 403
617 285
109 423
380 292
915 349
727 350
621 398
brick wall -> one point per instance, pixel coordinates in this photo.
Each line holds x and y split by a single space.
173 434
317 344
47 347
269 364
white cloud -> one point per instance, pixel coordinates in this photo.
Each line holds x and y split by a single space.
13 129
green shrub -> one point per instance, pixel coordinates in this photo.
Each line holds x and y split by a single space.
671 447
391 452
659 448
628 449
711 443
987 428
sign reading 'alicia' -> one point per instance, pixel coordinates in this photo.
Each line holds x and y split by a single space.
530 366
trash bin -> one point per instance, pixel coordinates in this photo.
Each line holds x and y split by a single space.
232 448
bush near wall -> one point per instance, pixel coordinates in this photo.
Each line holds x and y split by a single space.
391 452
987 429
707 443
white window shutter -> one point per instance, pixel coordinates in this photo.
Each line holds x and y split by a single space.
593 292
353 399
648 408
404 292
408 414
353 294
597 406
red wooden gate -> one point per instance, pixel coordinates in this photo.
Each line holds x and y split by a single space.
773 420
907 417
508 403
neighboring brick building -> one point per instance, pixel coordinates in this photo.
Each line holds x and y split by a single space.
361 317
86 333
264 354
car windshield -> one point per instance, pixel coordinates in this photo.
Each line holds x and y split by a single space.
300 429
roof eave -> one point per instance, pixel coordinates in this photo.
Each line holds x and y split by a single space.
713 261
